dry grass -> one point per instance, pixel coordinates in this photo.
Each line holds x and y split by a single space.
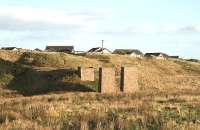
12 56
51 59
143 110
169 95
158 74
153 74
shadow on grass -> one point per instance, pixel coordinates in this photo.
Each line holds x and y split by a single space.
28 81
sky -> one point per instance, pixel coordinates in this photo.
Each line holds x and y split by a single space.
169 26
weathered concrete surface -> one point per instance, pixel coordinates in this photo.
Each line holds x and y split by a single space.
107 82
129 80
86 74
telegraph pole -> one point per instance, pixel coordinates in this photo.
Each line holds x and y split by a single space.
102 45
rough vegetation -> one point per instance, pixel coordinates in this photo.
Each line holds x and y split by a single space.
43 91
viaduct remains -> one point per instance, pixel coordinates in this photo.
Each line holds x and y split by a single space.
127 83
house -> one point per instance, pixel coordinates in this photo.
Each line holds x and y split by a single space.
24 50
80 52
66 49
157 55
174 57
131 52
99 50
37 49
10 48
193 60
16 49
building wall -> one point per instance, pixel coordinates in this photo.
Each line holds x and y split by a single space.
160 57
98 53
135 55
106 52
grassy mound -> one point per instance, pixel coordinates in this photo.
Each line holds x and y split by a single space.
38 73
92 111
11 56
158 74
169 96
56 60
26 80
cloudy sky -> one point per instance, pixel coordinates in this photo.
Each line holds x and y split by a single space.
170 26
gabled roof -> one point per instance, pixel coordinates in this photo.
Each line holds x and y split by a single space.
60 48
98 49
127 51
193 60
37 49
156 54
8 48
94 49
176 57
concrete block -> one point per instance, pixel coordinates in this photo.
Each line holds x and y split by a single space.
107 82
129 79
86 74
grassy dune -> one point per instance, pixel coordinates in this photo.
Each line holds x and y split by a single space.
43 91
147 111
51 59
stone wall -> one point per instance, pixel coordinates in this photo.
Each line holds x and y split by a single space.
107 81
112 82
86 74
129 79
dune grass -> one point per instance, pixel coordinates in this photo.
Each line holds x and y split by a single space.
44 91
91 111
35 73
52 59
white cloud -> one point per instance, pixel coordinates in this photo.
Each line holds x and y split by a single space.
23 26
64 21
189 29
24 18
198 28
169 29
150 29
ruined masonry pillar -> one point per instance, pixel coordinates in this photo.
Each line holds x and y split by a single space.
107 82
129 79
86 74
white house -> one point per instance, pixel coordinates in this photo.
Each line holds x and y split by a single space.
130 52
10 48
159 55
99 50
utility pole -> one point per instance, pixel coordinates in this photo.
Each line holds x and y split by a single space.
102 45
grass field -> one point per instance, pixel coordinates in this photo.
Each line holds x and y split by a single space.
43 91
